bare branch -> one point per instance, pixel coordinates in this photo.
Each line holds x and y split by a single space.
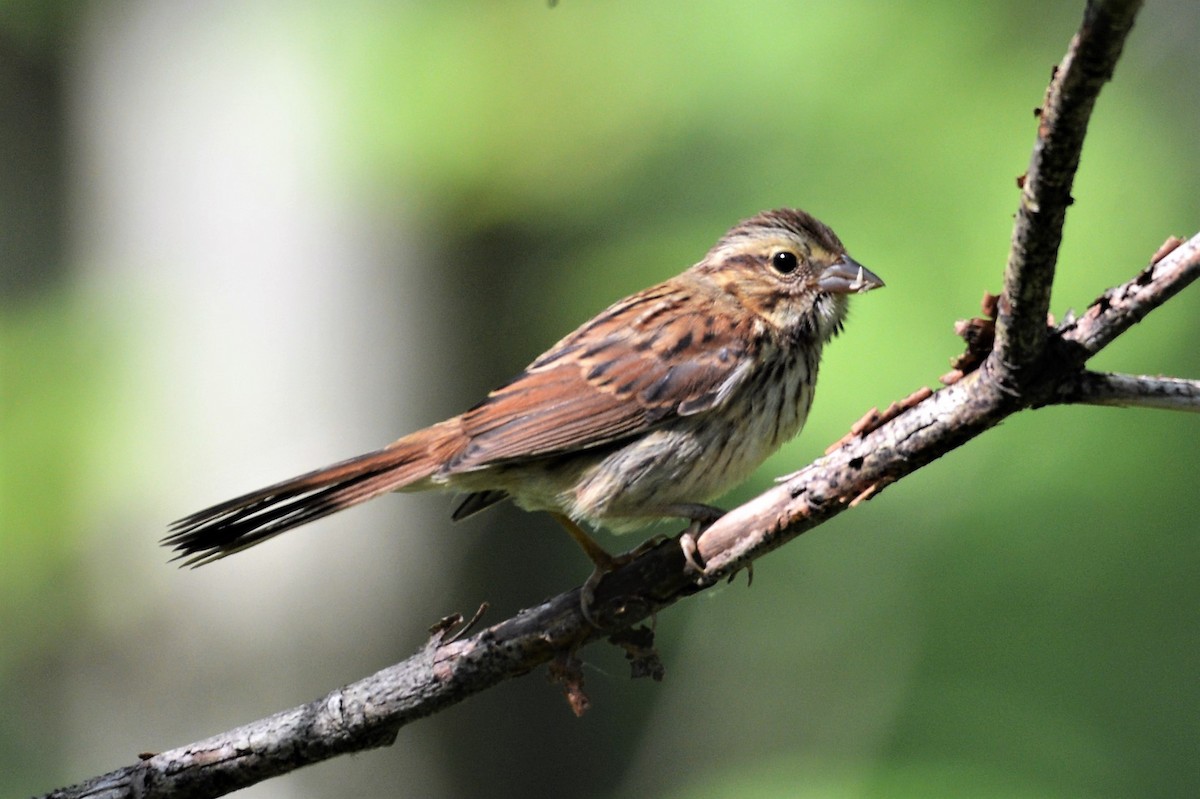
363 715
1128 391
1118 309
1046 186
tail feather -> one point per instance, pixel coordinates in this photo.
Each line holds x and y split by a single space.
242 522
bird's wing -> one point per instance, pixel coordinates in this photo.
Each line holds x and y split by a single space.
657 355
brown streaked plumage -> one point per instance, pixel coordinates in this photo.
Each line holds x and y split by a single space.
662 402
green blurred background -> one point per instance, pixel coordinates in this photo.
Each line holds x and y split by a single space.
238 241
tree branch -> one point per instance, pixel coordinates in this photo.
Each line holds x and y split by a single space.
1128 391
1120 308
1030 364
1046 186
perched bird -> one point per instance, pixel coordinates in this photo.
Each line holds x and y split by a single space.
662 402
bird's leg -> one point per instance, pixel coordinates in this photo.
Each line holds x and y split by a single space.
702 516
597 554
602 564
691 552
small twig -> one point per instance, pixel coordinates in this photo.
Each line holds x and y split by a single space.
1119 308
1129 391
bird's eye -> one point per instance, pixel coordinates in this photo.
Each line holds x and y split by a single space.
784 262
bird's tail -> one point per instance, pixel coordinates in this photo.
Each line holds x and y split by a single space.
252 518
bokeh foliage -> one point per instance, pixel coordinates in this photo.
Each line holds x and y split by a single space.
1018 619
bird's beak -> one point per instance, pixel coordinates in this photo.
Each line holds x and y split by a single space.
847 276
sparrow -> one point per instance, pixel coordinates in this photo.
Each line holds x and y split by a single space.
665 400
